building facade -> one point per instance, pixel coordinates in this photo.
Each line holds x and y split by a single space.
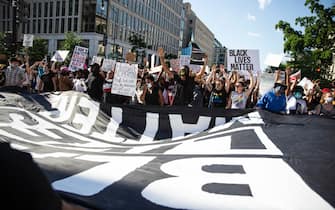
104 25
219 53
196 31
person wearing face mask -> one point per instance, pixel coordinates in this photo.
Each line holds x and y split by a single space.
15 76
326 107
274 100
152 95
295 102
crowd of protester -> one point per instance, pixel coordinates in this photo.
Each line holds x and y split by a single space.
214 89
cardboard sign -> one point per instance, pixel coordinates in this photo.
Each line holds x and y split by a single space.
175 64
125 78
130 57
60 56
96 59
241 59
108 65
78 58
28 40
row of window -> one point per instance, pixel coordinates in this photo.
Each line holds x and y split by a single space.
53 8
57 25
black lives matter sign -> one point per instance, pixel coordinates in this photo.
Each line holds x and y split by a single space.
243 60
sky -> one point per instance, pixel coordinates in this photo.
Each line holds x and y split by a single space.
250 24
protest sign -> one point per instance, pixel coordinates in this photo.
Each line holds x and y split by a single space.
78 58
28 40
96 59
185 60
108 65
60 55
241 59
125 78
175 64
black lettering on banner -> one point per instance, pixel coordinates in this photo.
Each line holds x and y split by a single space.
227 189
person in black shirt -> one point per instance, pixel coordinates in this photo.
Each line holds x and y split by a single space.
23 184
184 80
95 83
152 94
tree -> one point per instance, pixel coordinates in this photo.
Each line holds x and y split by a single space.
71 40
39 50
312 50
139 45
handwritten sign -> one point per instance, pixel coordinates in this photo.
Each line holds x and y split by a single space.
96 59
28 40
60 55
108 65
78 58
125 78
243 60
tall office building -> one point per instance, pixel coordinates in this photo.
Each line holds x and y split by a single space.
195 30
219 53
100 22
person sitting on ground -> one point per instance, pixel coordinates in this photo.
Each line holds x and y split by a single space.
24 185
274 100
152 94
326 107
295 102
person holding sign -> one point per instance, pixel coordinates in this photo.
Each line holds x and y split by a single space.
151 95
185 80
238 98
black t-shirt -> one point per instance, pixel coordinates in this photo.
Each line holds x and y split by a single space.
95 86
187 90
48 84
153 97
218 98
23 184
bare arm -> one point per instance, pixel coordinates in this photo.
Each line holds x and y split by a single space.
251 85
162 60
160 98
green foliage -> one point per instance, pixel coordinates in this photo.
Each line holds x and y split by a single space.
39 50
313 48
71 40
137 42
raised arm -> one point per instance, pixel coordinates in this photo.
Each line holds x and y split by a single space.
203 69
161 55
252 83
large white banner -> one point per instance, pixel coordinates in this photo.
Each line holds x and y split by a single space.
78 58
243 60
125 78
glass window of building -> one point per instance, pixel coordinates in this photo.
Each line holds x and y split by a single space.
45 26
34 26
76 7
46 7
51 9
75 25
63 8
70 7
40 9
62 25
69 24
34 9
57 8
50 26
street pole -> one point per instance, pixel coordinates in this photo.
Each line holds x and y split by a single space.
14 27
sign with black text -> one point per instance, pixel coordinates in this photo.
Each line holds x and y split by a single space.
243 60
78 58
125 79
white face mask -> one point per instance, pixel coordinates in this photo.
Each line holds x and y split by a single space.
13 65
329 100
149 85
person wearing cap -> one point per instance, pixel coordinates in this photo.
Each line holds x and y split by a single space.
275 99
326 107
15 76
